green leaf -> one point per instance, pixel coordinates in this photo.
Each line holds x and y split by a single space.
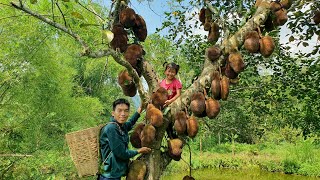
305 44
66 0
77 15
33 1
291 39
107 35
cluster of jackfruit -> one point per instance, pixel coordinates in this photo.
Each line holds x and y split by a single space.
144 134
205 17
278 15
131 21
133 53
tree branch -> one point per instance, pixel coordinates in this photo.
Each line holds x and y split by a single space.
64 19
54 24
229 44
15 155
245 88
92 11
237 39
22 15
150 75
118 58
52 7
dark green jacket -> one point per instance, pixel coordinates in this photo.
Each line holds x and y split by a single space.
114 141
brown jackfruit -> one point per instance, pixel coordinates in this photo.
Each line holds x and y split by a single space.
198 104
137 170
175 149
224 87
212 108
148 134
266 46
136 134
127 17
180 124
126 83
159 97
192 126
154 116
236 62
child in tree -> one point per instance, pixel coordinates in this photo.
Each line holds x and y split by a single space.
171 83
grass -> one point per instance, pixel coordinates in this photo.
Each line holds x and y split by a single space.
302 158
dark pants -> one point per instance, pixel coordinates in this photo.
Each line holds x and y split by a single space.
104 178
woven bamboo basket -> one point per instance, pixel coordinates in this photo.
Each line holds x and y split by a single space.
84 150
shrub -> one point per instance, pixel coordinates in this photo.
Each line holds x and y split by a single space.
290 166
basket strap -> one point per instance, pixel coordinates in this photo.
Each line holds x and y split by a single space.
106 158
117 125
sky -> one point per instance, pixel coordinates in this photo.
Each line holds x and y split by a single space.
152 12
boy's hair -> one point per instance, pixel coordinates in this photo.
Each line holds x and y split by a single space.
120 101
171 65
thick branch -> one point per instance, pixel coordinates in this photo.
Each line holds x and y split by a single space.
54 24
150 75
86 51
64 19
92 11
237 39
229 44
118 58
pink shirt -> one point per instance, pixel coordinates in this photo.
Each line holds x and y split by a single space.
172 87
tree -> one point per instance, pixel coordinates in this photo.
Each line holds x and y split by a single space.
232 36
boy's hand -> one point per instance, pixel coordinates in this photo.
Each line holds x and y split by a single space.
141 107
144 150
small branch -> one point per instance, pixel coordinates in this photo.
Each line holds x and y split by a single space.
7 169
102 74
64 19
16 155
3 93
22 15
244 88
211 8
92 11
152 9
52 7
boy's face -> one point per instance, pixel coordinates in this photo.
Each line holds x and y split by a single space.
121 113
170 73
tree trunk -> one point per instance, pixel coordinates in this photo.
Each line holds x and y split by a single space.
157 161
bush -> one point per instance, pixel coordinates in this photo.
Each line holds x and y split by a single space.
290 166
310 169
